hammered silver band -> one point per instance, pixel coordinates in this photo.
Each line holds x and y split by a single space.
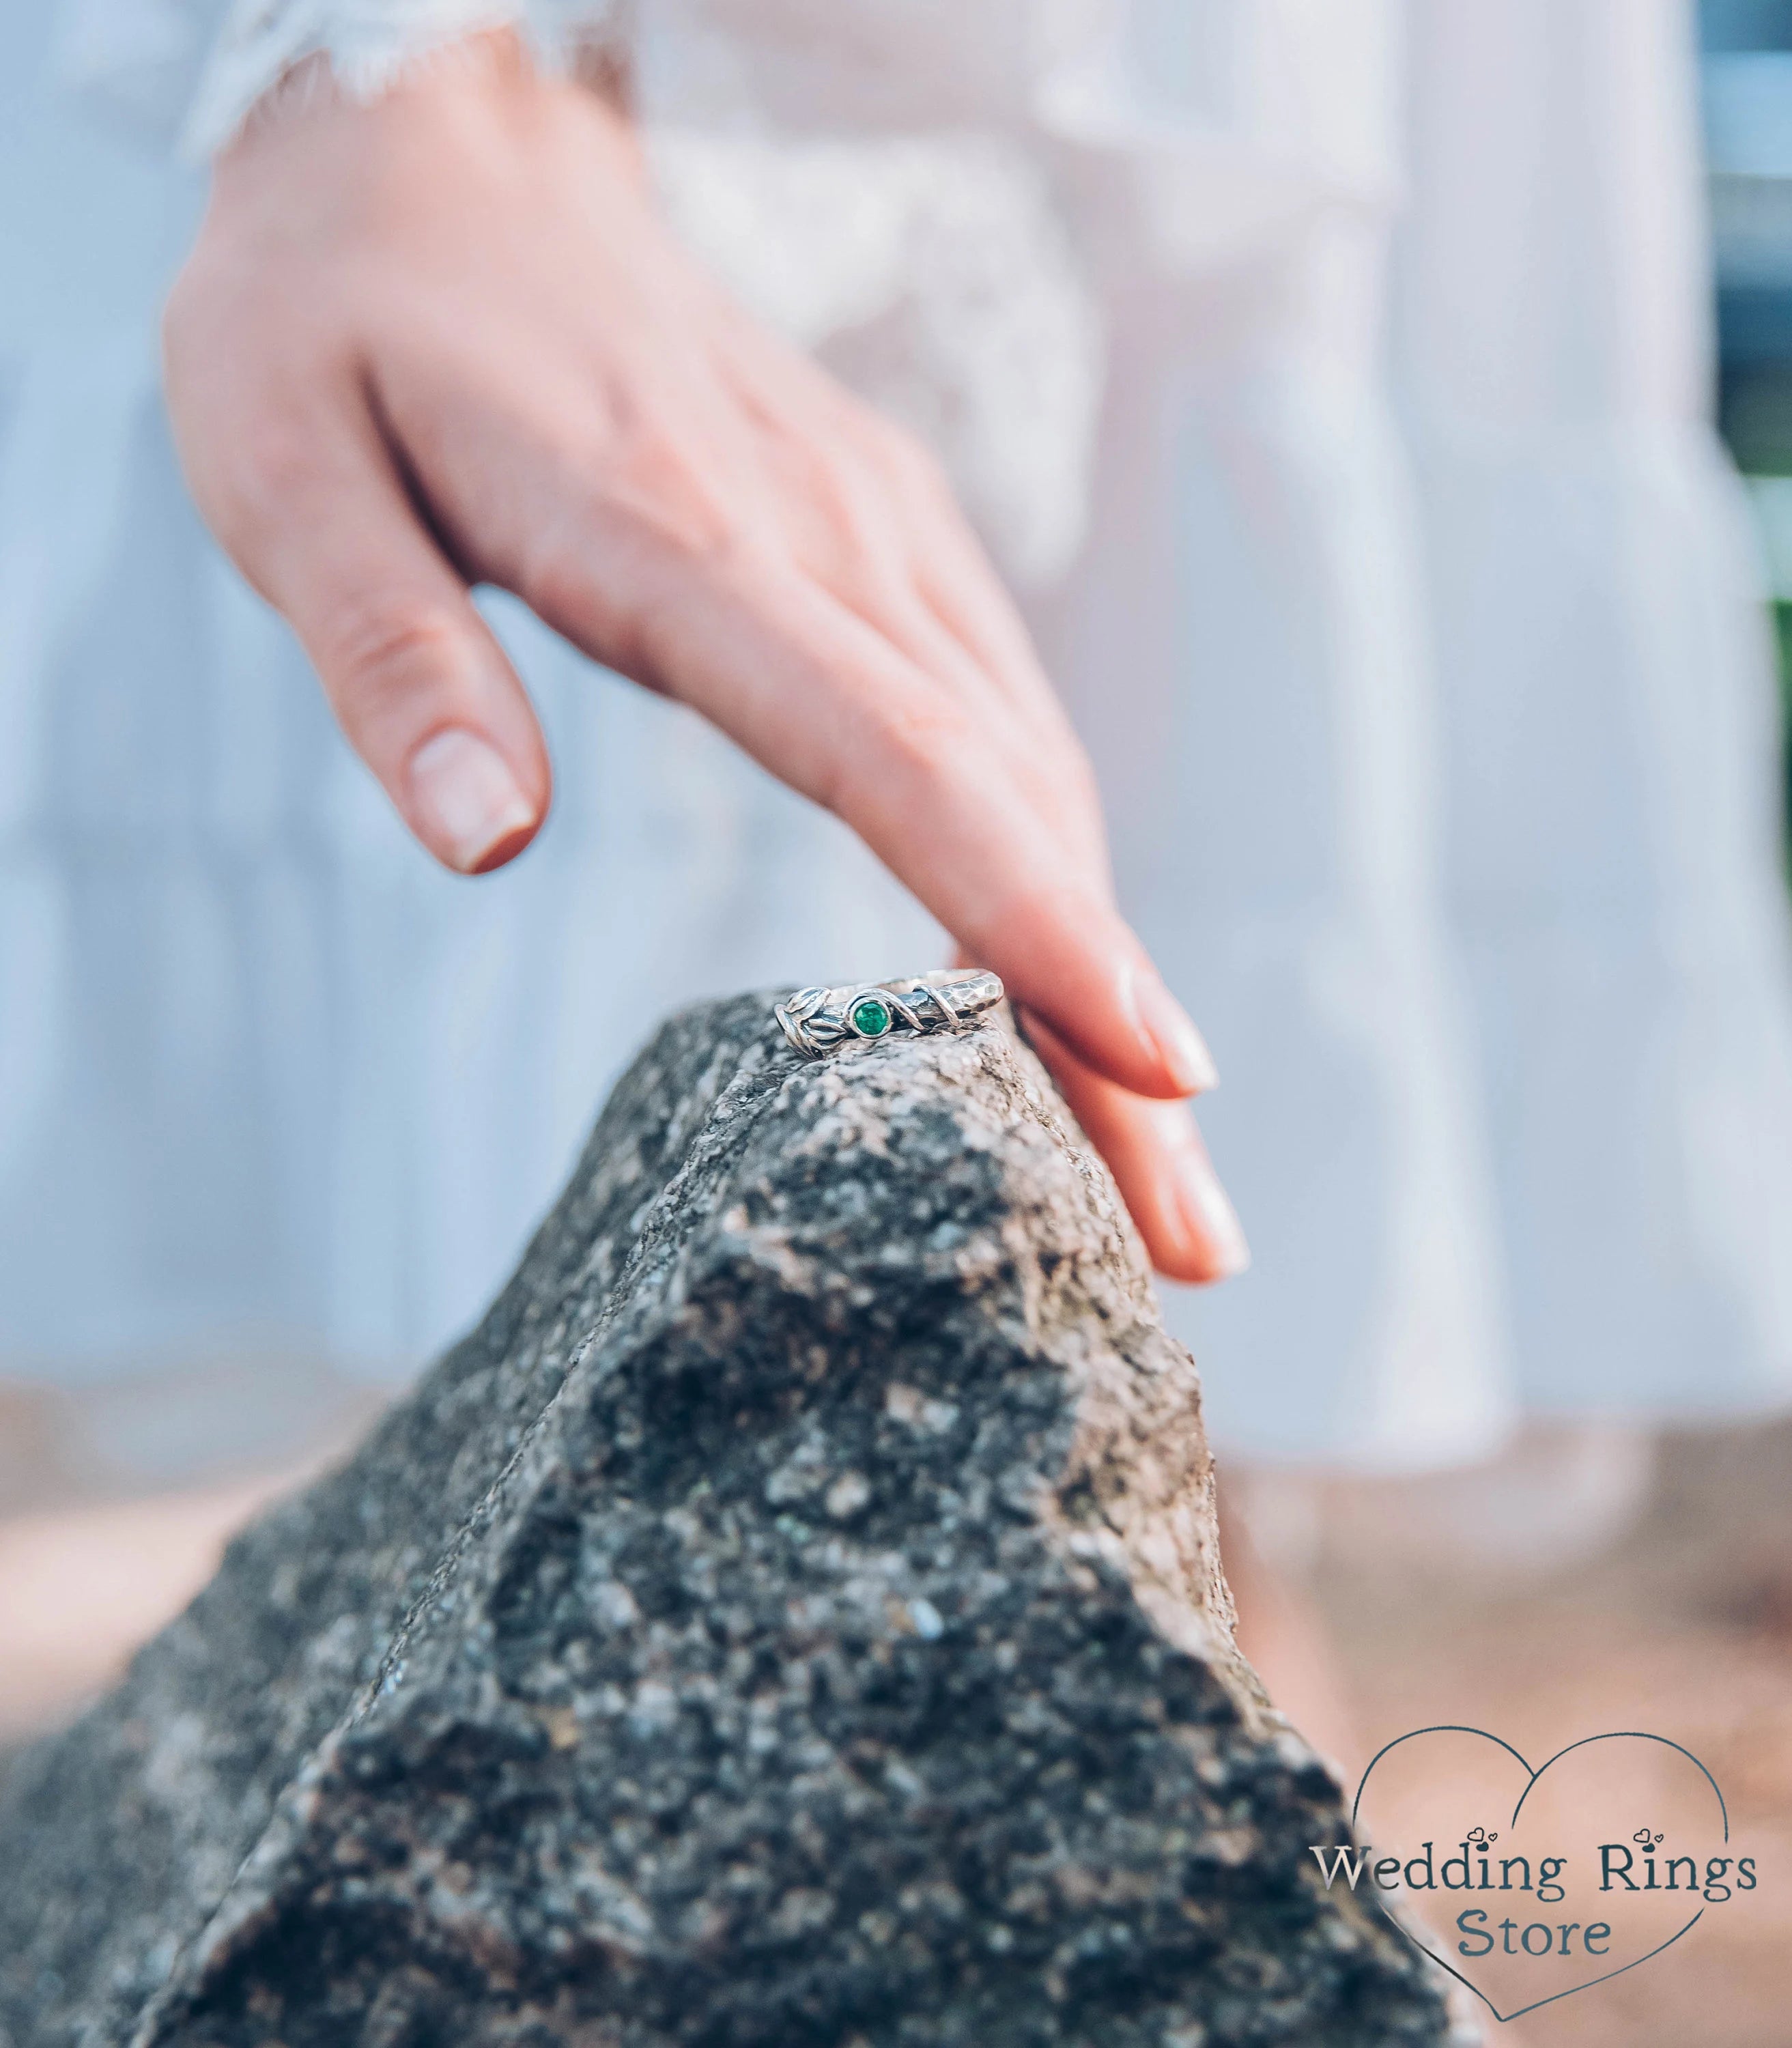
821 1020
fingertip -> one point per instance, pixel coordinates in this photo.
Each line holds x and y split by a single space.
466 803
1154 1151
1211 1244
1168 1033
1188 1264
1186 1217
505 850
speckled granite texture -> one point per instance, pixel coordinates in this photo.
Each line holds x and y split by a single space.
792 1620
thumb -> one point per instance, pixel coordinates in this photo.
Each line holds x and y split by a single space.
417 678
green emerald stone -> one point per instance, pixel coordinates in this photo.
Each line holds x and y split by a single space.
870 1017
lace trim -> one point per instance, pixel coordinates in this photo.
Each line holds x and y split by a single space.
371 45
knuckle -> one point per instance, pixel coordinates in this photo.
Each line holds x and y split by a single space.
838 514
913 464
555 571
667 492
623 543
253 489
927 738
590 572
652 463
386 653
857 501
584 564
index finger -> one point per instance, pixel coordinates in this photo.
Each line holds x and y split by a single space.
829 706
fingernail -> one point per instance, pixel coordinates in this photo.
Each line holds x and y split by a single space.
468 805
1208 1213
1167 1025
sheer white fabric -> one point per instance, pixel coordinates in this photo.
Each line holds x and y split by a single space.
195 68
1330 372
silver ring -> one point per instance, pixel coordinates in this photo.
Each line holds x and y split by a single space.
821 1020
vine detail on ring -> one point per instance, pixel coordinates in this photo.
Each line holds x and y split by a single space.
818 1021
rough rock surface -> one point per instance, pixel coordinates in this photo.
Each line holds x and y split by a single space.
791 1620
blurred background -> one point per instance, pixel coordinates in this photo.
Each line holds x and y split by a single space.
1614 1579
1589 1578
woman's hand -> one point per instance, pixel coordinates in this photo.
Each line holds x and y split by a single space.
443 340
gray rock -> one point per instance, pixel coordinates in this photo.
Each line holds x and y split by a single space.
792 1620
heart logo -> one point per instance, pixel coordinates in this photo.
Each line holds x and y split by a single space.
1531 1884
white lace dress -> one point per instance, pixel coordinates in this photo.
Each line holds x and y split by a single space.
1328 374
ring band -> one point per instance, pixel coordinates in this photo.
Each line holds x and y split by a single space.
820 1020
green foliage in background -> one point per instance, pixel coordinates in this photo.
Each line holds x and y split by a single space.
1754 415
1783 621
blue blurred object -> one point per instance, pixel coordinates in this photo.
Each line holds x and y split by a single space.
1729 26
1746 91
1748 115
1746 94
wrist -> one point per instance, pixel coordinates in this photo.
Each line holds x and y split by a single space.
484 97
277 60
